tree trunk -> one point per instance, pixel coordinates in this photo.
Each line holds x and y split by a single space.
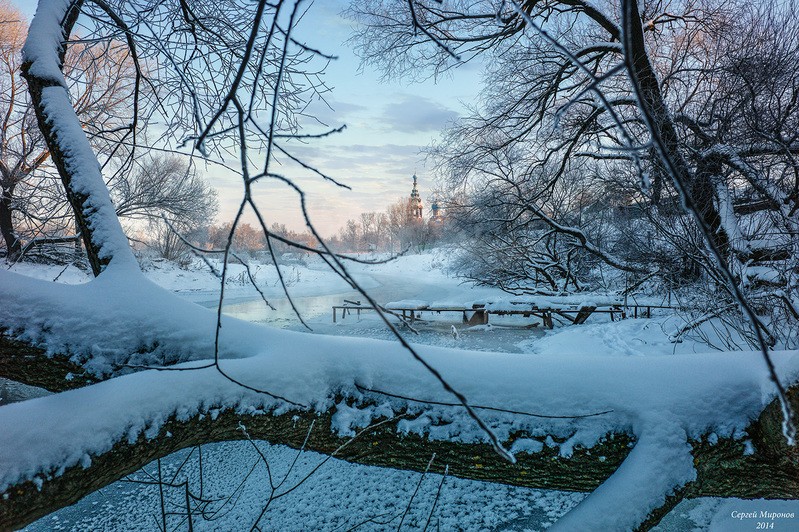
30 365
13 244
722 469
703 193
695 188
67 143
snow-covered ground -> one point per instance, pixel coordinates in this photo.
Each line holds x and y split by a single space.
341 496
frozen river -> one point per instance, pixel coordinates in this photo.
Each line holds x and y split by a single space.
503 334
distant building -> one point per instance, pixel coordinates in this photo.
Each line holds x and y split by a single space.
415 202
436 213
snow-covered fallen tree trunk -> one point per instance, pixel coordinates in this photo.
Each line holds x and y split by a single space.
382 446
57 449
60 448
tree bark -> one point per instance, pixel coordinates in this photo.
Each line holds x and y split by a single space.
30 365
703 194
13 244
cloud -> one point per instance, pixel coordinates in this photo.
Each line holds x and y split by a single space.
416 114
362 161
329 114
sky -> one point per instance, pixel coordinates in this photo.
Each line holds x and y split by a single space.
388 125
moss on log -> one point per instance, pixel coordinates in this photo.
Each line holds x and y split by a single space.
30 365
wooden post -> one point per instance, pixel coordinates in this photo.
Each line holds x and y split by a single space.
480 317
583 314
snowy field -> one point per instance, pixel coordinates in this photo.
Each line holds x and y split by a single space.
343 496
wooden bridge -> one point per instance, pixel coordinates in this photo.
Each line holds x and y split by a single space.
478 314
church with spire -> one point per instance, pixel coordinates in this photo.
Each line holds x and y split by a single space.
415 202
416 207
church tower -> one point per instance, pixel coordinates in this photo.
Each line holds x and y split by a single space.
415 202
